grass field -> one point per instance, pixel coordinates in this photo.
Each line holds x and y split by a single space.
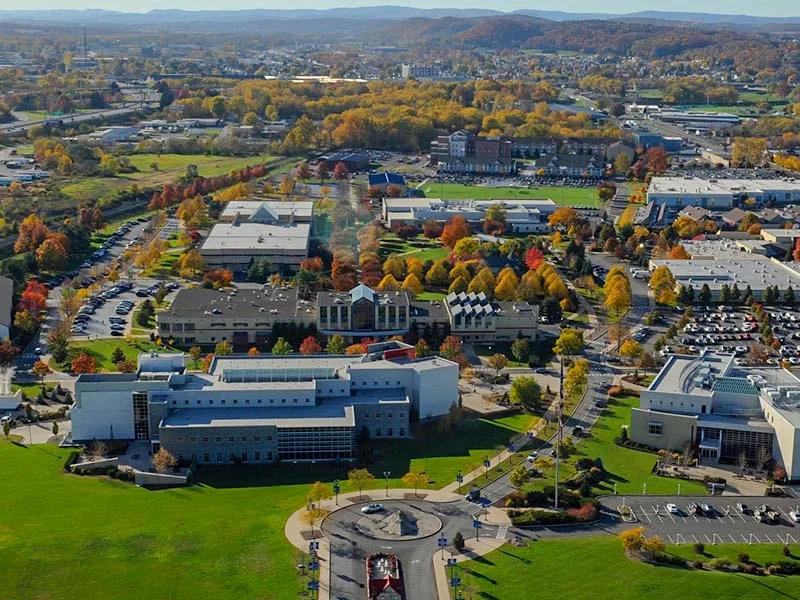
597 568
32 390
96 538
567 196
101 350
175 164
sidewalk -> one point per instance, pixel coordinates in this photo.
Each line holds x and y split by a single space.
474 549
299 534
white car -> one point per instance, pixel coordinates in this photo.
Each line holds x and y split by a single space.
371 508
672 508
533 456
795 515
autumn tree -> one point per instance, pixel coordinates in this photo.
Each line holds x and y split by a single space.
41 369
412 285
455 229
336 345
416 478
497 362
223 348
83 364
570 342
525 391
310 345
534 258
631 350
662 282
564 217
163 461
341 172
31 233
520 349
359 478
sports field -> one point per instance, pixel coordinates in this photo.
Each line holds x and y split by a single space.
563 196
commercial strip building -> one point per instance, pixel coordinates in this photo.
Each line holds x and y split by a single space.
743 270
247 316
263 409
722 410
679 192
522 216
252 231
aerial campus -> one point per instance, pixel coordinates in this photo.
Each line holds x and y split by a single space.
397 303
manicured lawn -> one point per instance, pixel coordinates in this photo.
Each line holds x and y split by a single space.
431 296
96 538
32 390
597 568
443 452
629 469
560 195
760 554
165 265
101 350
94 188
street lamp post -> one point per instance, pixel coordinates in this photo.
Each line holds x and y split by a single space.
460 480
386 475
486 464
336 490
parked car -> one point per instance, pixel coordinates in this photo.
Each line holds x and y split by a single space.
672 509
472 496
742 508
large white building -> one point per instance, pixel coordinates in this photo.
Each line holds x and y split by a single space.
522 216
723 410
679 192
265 408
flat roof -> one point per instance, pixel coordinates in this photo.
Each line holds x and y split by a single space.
269 363
716 249
258 236
322 416
754 270
700 186
686 374
265 301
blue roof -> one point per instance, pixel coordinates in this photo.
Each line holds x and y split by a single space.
386 178
362 291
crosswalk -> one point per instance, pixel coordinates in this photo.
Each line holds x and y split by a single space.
501 532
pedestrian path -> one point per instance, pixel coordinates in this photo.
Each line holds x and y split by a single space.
501 532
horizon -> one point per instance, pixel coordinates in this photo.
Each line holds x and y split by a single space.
733 7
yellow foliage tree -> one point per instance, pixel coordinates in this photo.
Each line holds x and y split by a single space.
388 284
412 285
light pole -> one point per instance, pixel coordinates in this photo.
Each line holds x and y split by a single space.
460 480
386 475
486 464
336 490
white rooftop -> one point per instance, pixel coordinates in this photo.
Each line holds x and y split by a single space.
258 236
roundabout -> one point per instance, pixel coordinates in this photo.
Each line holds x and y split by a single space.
401 524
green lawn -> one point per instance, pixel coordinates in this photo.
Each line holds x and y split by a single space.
597 568
96 538
760 554
629 469
94 188
207 166
431 295
560 195
32 390
442 453
101 350
433 254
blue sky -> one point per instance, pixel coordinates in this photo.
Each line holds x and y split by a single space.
772 8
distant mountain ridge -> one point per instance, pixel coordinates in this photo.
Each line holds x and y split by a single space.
166 17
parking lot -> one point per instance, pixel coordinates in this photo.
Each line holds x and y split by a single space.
730 519
724 329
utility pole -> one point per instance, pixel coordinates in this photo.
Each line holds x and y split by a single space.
558 434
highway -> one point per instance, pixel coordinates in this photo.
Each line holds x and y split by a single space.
73 118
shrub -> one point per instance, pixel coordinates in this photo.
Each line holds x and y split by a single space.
74 454
787 551
458 542
698 564
541 517
584 464
699 548
752 569
615 390
743 557
515 500
590 511
720 564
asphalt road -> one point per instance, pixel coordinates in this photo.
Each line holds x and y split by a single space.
350 548
75 118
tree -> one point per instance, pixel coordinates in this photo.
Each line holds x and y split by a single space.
534 258
282 347
126 366
388 284
525 391
459 285
313 515
32 232
53 253
309 346
195 352
458 542
340 172
437 274
191 263
570 342
631 349
412 285
336 345
218 278
520 349
632 539
253 352
497 362
359 478
83 364
622 162
454 229
705 294
506 287
6 428
303 171
223 348
519 476
41 369
319 491
564 217
416 478
422 349
395 266
678 252
653 545
451 349
163 460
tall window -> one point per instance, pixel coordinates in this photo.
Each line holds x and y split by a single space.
363 315
141 418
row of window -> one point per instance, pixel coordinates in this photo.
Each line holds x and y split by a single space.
231 438
389 432
389 415
232 457
246 401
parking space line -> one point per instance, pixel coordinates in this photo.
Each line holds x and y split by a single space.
645 515
766 536
707 540
785 514
694 537
733 540
744 539
669 537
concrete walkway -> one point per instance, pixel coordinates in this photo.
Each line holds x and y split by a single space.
299 533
